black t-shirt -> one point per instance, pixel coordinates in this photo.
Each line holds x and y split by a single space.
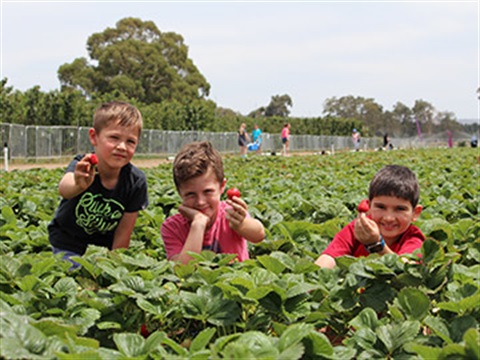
92 216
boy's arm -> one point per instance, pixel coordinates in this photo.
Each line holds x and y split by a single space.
250 229
124 230
194 240
76 182
342 244
325 261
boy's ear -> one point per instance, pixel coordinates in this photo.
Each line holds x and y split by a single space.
92 134
416 212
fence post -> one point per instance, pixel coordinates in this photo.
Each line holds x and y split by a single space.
5 156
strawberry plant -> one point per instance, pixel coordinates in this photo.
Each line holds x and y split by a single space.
133 303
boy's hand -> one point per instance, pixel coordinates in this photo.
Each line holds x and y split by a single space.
193 215
366 230
84 173
237 212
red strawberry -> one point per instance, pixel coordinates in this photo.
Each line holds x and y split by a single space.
144 331
363 207
233 192
93 159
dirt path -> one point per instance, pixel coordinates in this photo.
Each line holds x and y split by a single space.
141 163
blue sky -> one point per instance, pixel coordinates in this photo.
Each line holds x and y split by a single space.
250 50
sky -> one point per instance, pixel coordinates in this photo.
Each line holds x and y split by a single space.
249 51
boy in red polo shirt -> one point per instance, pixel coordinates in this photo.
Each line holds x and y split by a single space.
386 228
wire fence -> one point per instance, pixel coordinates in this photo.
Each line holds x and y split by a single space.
49 142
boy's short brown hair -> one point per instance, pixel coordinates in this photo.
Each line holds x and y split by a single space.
395 180
195 159
126 114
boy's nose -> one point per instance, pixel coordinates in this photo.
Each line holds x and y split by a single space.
389 215
122 145
201 199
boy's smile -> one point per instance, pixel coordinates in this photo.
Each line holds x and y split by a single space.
393 216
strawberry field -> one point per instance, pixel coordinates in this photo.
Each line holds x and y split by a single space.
134 304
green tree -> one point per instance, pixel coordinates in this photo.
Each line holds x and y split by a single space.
7 106
424 112
364 109
138 60
447 121
278 106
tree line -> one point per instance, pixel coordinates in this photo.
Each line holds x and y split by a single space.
137 62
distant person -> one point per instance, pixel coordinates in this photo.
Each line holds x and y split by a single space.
356 139
285 139
474 141
204 222
386 227
101 200
450 139
387 143
243 140
257 138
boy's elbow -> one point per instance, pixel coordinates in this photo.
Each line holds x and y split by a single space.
325 261
260 236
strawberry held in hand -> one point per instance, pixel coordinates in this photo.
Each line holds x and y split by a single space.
233 192
363 207
93 159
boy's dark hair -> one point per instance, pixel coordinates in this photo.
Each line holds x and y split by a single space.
395 180
195 159
126 114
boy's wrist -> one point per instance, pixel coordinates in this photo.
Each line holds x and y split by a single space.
376 247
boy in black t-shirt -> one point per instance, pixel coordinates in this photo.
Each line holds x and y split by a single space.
100 201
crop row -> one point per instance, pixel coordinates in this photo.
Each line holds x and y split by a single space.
134 303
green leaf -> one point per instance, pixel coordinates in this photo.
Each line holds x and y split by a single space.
208 305
318 344
395 336
129 344
293 335
364 338
432 252
271 264
426 352
202 340
28 283
66 286
8 215
439 327
105 325
463 306
472 343
367 318
50 328
414 303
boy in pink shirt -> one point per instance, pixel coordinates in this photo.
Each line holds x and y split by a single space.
204 221
386 228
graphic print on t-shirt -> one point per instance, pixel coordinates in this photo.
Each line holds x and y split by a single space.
94 213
